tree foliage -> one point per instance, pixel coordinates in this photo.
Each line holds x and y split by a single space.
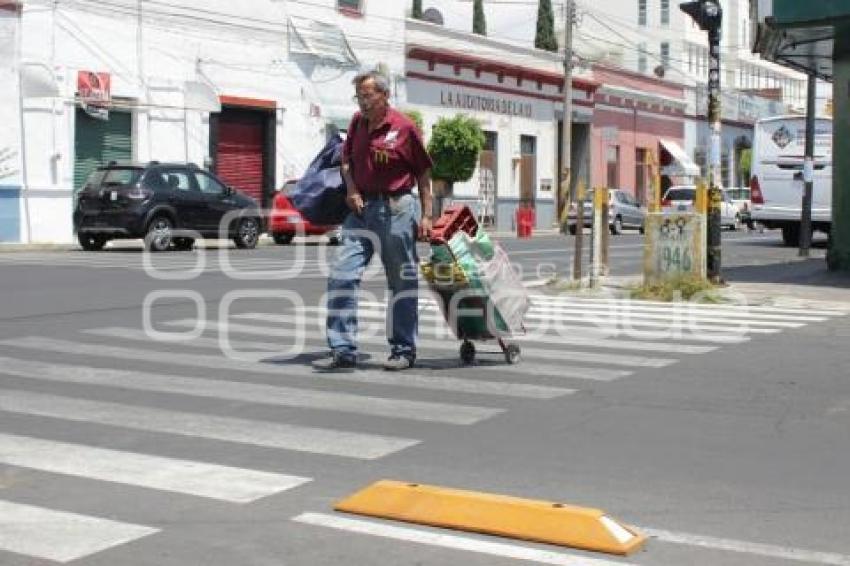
454 147
545 37
746 163
479 24
416 12
415 116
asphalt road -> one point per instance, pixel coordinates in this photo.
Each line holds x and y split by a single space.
719 431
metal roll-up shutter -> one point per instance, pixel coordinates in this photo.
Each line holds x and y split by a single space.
239 153
97 142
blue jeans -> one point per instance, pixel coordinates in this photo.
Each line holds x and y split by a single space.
391 224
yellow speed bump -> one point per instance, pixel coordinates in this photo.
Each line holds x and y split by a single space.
513 517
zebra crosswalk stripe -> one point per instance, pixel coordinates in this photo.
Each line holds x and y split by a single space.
424 411
592 332
253 432
437 382
612 321
756 309
695 310
61 536
224 483
561 354
451 541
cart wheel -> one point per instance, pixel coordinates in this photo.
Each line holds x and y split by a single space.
512 353
467 352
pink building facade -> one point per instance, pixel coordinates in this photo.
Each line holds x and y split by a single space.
631 114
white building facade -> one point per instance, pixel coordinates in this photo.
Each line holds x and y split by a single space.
516 95
249 90
655 36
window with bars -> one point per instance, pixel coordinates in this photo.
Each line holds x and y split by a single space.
641 12
613 169
350 5
665 54
665 12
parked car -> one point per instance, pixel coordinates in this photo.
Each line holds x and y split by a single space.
740 197
680 198
624 211
157 201
286 222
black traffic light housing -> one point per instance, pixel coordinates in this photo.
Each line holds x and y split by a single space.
706 13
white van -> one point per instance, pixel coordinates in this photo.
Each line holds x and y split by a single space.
776 184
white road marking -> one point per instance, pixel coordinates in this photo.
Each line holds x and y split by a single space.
451 541
613 320
739 317
61 536
224 483
589 333
756 309
244 431
231 390
437 382
561 355
744 547
735 312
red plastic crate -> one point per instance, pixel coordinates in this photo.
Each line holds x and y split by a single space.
455 217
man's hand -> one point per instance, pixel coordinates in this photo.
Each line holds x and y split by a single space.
354 200
425 226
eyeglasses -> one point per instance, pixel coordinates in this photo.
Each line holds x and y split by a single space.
367 96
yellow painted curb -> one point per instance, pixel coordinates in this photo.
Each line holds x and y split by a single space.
513 517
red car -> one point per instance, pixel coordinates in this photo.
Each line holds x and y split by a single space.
286 222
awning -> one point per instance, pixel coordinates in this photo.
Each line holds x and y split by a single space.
681 165
326 42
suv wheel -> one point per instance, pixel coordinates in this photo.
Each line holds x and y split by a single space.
247 234
791 235
617 226
160 233
184 244
283 239
91 242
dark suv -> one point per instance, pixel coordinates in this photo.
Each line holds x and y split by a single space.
167 204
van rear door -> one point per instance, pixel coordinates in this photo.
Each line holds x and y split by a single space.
780 147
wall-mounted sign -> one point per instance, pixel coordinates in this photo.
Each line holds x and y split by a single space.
497 105
94 92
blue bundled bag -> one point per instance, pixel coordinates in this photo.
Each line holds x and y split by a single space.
319 195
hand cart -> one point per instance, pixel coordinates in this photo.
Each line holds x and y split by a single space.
480 295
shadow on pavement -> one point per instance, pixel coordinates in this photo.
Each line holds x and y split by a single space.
808 272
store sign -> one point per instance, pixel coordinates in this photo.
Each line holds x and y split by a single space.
94 92
496 105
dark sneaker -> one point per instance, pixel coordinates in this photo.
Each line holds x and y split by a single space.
398 362
336 361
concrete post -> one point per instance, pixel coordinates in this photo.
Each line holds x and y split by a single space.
838 257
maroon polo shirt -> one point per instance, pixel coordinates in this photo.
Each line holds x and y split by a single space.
388 159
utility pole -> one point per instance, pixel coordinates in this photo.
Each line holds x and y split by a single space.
808 170
709 16
566 139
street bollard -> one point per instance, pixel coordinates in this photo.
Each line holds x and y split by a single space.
713 247
580 194
600 201
606 233
655 176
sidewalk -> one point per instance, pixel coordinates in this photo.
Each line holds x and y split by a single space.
797 282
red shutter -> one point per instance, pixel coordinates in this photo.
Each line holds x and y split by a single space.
239 155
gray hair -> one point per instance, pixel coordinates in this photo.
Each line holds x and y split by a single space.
381 82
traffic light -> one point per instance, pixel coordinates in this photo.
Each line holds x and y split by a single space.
706 13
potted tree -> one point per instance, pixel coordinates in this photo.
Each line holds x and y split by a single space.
454 146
